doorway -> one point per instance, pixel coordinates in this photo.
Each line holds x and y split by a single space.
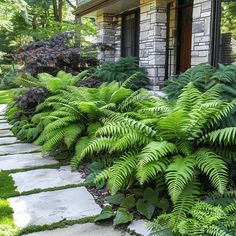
184 41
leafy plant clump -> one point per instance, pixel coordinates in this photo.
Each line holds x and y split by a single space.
202 219
52 57
121 70
205 77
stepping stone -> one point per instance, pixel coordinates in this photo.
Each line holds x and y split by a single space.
88 229
2 121
46 178
8 140
18 148
5 126
50 207
22 161
139 227
2 107
6 133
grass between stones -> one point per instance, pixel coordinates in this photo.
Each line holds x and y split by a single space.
8 189
61 224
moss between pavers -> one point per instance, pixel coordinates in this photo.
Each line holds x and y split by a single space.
7 226
61 224
8 189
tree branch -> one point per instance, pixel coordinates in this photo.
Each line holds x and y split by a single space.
71 4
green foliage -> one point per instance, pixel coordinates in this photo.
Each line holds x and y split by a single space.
176 144
121 70
202 219
204 78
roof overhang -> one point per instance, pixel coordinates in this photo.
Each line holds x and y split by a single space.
91 6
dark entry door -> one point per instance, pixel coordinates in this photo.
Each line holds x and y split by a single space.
130 34
185 37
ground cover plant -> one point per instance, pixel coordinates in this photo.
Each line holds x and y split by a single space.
156 156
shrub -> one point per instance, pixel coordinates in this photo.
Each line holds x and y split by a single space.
122 70
178 141
52 57
205 77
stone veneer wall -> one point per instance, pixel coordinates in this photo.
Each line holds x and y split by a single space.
201 31
106 35
153 40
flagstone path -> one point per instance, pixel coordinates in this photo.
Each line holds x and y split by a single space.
47 192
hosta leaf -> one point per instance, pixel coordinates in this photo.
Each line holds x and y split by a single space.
128 202
145 208
116 199
150 196
106 213
123 217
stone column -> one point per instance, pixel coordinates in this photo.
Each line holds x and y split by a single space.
153 21
201 37
106 36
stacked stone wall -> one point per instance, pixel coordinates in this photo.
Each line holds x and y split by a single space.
201 32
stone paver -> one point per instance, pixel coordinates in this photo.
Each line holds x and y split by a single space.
88 229
23 161
6 133
2 121
2 108
5 126
46 178
18 148
139 227
8 140
51 207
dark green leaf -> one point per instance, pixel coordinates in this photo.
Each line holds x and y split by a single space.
150 196
145 208
123 217
128 202
106 213
116 199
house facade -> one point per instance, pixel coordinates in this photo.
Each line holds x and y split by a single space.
167 36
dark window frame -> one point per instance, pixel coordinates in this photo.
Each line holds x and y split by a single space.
137 31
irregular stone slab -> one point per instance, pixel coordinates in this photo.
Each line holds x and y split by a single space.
8 140
139 227
18 148
2 121
2 107
5 126
23 161
88 229
51 207
6 133
46 178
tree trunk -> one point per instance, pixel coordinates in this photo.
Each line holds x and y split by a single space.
60 9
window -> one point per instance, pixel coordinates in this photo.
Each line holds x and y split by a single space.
224 32
130 34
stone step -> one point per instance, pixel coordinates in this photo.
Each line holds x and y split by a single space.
138 227
6 133
18 148
46 178
23 161
2 120
87 229
8 140
5 126
50 207
2 107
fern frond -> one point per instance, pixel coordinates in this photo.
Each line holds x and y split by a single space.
178 174
215 168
